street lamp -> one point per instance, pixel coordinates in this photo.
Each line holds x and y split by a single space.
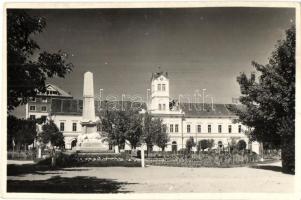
147 98
204 98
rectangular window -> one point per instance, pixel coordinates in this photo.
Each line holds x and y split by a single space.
74 126
239 128
164 107
219 128
62 126
159 87
44 99
32 117
160 108
209 128
229 128
44 108
188 128
177 128
171 128
199 128
32 108
163 87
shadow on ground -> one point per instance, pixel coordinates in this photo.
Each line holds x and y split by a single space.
268 167
58 184
19 170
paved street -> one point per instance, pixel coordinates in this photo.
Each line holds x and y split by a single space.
267 178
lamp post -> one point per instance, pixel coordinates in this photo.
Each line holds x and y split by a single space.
100 96
147 99
204 98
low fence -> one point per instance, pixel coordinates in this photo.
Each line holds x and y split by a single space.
21 155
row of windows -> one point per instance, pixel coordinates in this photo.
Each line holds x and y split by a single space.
162 106
44 99
74 127
33 108
175 128
161 87
62 126
33 117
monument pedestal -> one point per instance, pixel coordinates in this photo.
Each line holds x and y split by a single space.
90 140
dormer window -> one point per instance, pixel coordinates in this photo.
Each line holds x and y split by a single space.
163 87
159 87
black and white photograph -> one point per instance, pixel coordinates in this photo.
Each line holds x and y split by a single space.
142 100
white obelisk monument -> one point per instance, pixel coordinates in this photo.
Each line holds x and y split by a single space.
90 140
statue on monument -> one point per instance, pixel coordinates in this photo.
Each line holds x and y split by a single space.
90 140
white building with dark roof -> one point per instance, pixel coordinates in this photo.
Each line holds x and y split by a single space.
40 106
197 120
183 120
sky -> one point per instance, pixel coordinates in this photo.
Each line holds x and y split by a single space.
198 47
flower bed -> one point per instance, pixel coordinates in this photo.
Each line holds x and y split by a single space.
205 160
92 160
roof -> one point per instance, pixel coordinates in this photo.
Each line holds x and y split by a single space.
158 74
61 92
75 106
191 110
215 110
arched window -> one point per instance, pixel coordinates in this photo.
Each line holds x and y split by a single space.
220 144
174 146
73 143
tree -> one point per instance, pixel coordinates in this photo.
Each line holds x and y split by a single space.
26 76
241 145
154 132
190 143
202 145
210 144
20 132
147 131
50 134
269 100
134 130
162 137
113 124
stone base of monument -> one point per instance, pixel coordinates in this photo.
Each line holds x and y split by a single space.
93 147
92 143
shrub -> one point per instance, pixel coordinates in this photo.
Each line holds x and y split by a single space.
189 144
202 145
241 145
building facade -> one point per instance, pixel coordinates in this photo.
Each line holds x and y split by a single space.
182 120
197 120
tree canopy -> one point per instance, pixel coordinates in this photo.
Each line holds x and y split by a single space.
268 97
51 134
20 131
190 143
26 76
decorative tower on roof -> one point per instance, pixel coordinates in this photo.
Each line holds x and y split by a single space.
159 92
